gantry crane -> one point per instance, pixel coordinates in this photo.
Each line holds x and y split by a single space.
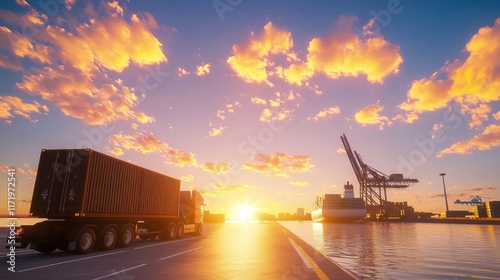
472 200
373 184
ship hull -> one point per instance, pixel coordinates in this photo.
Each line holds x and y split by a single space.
332 215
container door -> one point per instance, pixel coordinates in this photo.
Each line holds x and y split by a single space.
59 183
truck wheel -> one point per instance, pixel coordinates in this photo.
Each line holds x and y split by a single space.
46 247
109 237
199 230
127 235
180 230
86 241
169 232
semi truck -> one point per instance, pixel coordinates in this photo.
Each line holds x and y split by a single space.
91 200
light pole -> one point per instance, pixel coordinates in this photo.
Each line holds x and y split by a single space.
444 188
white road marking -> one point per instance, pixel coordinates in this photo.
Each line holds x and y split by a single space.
19 253
70 261
179 253
118 272
165 243
300 254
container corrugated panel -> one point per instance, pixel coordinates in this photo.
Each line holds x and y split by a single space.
88 183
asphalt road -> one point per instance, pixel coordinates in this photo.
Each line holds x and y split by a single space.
225 251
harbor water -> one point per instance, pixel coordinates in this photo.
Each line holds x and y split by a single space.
407 250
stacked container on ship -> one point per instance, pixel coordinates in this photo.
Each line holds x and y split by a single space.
334 208
91 199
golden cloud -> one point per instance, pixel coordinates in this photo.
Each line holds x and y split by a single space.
296 73
496 116
370 115
187 178
14 105
147 143
472 83
300 183
250 59
224 190
116 42
268 116
182 72
78 96
21 46
326 113
489 138
257 100
278 163
216 167
203 69
216 131
344 53
73 61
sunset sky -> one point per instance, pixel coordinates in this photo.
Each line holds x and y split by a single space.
246 100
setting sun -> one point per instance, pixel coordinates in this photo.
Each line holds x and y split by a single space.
245 212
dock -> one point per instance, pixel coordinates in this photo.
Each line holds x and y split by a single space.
224 251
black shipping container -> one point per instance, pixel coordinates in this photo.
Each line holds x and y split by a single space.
86 183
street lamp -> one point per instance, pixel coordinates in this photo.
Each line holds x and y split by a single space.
444 188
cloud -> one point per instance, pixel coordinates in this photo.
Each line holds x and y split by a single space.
343 53
21 46
221 114
496 116
224 190
325 114
187 178
9 63
182 72
72 60
115 151
147 143
300 183
251 59
268 116
257 100
116 41
297 73
341 151
216 131
14 105
473 83
4 168
370 115
202 70
78 96
489 138
278 164
216 167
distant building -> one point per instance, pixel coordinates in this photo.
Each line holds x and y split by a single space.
213 218
300 213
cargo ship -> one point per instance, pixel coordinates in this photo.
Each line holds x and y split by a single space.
334 208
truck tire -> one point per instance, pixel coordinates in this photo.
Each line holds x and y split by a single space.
127 236
180 230
86 240
46 247
108 238
199 230
169 232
